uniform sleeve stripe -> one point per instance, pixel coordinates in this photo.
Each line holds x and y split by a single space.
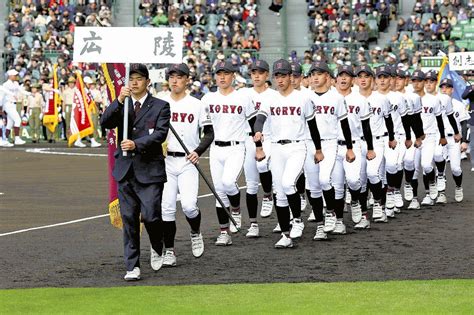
310 117
366 116
262 113
342 117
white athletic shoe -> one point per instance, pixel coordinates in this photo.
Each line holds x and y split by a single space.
414 204
169 260
297 228
382 219
133 275
340 228
348 197
390 212
441 197
397 210
6 144
253 231
303 203
356 212
238 219
463 156
363 224
329 222
277 228
224 239
390 202
19 141
284 242
311 217
472 169
197 245
320 234
94 143
408 191
458 194
377 211
441 183
156 261
397 196
427 201
267 207
433 191
79 144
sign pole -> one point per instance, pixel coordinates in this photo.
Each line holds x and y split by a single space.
126 106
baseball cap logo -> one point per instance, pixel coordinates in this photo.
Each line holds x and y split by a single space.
257 63
279 65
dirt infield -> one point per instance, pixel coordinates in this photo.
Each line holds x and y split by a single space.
40 189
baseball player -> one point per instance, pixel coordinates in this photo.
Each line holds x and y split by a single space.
188 115
229 111
394 156
288 115
431 116
358 114
12 91
453 148
330 111
381 125
258 170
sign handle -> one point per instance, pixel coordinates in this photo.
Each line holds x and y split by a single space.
126 106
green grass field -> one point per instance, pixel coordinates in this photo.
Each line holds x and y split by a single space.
395 297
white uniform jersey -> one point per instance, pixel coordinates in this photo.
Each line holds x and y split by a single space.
398 109
257 100
446 109
187 116
431 107
460 113
380 109
329 109
357 110
229 114
288 115
413 102
12 91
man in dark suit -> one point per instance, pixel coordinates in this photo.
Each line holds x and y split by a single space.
141 172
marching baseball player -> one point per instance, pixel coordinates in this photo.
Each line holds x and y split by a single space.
253 169
330 111
12 91
431 116
188 115
229 111
381 124
288 115
453 148
358 114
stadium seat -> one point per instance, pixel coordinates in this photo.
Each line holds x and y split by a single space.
456 34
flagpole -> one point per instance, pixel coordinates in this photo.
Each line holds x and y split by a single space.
126 106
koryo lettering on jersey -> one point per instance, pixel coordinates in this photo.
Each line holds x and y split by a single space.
225 109
285 110
182 117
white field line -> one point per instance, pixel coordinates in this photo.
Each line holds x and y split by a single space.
78 220
49 151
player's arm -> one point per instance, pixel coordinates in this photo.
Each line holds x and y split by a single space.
417 125
206 141
453 123
390 129
439 120
367 131
258 128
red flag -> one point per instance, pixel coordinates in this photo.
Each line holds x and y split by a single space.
114 74
50 118
81 124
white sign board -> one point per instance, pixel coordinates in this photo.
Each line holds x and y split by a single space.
461 61
157 75
128 45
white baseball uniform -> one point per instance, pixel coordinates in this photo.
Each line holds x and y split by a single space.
398 109
187 116
12 90
414 107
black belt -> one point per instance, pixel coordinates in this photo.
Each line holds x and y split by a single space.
176 154
226 143
250 134
379 137
287 141
342 142
450 134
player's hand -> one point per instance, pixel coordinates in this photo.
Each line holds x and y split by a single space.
193 157
350 156
418 142
408 143
464 147
371 155
258 137
457 137
318 156
423 137
392 144
124 92
127 145
443 141
259 154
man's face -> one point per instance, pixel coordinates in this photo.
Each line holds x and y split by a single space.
283 81
445 89
259 77
343 82
400 83
383 82
418 85
319 79
296 81
138 84
430 86
364 80
224 79
177 82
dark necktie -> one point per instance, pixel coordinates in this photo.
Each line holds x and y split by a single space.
137 107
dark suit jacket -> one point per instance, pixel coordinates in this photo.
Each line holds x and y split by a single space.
148 130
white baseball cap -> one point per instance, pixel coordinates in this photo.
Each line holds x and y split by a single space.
12 72
87 80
